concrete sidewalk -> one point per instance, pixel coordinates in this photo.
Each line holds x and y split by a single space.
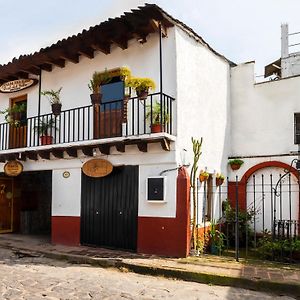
270 277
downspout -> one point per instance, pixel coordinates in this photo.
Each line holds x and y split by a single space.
40 86
160 78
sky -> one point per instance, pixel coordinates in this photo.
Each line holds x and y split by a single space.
240 30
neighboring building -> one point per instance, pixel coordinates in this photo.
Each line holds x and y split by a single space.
52 194
265 122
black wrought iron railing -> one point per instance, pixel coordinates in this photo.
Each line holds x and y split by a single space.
126 117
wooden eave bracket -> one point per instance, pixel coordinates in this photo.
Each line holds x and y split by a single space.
155 25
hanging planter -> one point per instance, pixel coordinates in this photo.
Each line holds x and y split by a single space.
235 164
141 86
56 109
203 176
219 179
98 79
96 98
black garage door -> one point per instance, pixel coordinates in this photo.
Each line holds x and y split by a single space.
109 209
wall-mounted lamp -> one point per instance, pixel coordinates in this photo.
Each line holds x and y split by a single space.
94 152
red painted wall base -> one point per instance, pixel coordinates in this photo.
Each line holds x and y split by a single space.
65 231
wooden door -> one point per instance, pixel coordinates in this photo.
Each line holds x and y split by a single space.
109 209
18 132
6 205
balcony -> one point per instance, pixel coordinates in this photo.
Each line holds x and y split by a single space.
118 123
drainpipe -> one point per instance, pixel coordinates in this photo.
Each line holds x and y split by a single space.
40 86
160 59
160 77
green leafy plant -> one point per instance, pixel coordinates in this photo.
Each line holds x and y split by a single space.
236 162
278 249
245 218
158 116
216 238
98 79
52 95
14 114
45 126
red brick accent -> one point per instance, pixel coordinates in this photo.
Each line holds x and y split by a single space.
168 236
65 231
242 184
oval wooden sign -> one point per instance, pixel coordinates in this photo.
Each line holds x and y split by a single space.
17 85
13 168
97 168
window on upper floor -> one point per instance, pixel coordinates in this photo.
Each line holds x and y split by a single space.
297 128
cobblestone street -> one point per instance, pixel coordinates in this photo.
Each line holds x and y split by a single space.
31 278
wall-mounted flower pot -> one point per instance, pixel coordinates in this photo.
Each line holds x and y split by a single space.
156 128
46 139
219 181
96 99
56 109
142 95
203 177
235 166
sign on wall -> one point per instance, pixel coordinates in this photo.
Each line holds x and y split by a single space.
13 168
17 85
97 168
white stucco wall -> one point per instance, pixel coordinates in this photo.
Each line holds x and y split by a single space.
203 99
66 192
262 114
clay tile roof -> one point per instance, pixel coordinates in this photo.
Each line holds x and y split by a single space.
138 23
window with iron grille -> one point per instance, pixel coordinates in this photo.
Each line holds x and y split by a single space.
297 128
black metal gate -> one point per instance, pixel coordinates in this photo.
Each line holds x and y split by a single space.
109 209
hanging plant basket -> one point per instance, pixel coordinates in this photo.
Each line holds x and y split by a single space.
203 176
56 109
142 95
96 98
219 181
235 166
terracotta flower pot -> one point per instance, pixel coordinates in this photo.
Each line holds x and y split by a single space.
156 128
203 178
56 109
219 181
235 166
142 95
46 139
96 99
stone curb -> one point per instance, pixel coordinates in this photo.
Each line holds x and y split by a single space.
279 288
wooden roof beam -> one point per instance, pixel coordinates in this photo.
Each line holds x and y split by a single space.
72 152
72 57
87 51
23 75
58 152
46 67
44 154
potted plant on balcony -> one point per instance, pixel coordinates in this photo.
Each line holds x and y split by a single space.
219 179
235 164
97 80
157 118
203 176
44 128
54 98
141 86
14 115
